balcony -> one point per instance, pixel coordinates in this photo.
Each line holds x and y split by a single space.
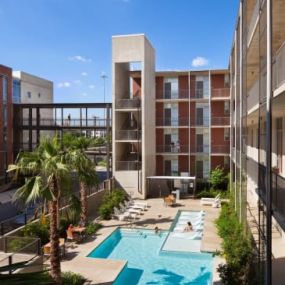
171 94
253 22
200 122
128 135
220 121
279 68
220 149
220 93
200 148
128 165
202 174
128 103
172 149
253 98
173 122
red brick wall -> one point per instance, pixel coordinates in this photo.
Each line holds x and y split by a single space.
159 165
192 112
192 165
183 163
6 71
159 111
218 137
217 161
183 85
184 137
218 80
192 137
159 137
192 85
159 87
136 87
218 109
183 110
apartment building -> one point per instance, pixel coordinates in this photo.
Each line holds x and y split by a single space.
31 89
174 123
6 120
257 66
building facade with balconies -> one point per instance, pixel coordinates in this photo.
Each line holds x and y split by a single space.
165 123
257 67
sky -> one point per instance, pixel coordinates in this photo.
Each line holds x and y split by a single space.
69 41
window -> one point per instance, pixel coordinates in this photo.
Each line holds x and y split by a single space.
39 95
199 89
29 94
226 162
227 134
227 107
227 80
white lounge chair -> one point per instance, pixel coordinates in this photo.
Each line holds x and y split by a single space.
215 202
139 203
129 209
195 235
119 215
191 214
134 206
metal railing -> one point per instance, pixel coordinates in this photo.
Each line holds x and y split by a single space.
278 197
128 135
279 67
220 121
65 122
200 121
171 94
220 92
181 121
202 174
172 148
18 249
253 19
200 148
128 103
220 148
128 165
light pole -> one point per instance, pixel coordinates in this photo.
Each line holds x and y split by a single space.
104 77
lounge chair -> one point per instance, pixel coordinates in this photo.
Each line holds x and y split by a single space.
134 206
193 214
138 203
192 235
119 215
215 202
130 209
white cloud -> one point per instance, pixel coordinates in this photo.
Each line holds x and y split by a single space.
91 86
79 58
199 61
84 73
84 94
64 84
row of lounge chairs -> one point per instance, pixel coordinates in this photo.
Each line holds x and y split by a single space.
130 210
214 202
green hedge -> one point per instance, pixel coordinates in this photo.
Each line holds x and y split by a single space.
38 230
110 201
236 246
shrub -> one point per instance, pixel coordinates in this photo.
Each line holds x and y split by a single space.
110 201
37 229
70 278
92 228
236 246
206 194
218 179
18 243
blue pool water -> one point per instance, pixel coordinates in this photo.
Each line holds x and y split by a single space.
146 265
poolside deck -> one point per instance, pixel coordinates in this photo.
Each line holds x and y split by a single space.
105 271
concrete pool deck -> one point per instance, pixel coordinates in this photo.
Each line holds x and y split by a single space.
100 271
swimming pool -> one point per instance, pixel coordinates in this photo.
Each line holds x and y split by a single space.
147 265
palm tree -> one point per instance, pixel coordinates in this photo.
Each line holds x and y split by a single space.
44 169
85 169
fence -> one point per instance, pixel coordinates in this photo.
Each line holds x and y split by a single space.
18 249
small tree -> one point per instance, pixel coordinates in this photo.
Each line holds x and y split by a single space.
218 178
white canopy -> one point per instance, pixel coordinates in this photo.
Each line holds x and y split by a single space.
173 177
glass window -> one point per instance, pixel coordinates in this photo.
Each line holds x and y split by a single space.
227 107
39 95
170 88
226 134
16 91
29 94
5 89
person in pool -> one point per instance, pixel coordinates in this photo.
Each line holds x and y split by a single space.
156 230
189 227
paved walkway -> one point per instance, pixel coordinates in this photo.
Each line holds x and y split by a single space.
105 271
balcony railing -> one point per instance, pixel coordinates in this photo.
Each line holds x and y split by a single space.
200 148
220 92
279 67
128 135
202 174
220 149
253 20
128 165
278 198
179 122
172 148
200 121
128 103
172 94
220 121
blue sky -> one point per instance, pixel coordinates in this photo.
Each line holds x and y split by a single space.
69 41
